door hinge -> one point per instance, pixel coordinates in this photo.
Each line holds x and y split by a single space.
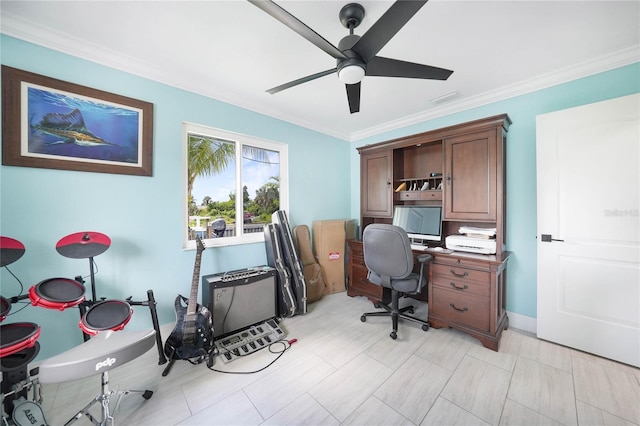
546 238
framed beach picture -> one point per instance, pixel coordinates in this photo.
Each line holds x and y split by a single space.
55 124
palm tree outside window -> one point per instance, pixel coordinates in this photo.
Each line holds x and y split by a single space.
214 180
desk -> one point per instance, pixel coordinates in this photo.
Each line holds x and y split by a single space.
357 283
466 291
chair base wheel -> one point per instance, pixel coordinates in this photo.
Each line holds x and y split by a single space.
425 327
393 335
363 318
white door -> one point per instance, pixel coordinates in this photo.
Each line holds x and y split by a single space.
588 189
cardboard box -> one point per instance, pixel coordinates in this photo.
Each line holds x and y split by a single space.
329 246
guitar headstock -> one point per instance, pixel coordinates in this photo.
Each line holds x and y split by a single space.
199 244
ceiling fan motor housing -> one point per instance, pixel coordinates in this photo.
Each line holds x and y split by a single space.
351 15
353 68
353 58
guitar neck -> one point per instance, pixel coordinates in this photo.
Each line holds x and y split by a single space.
192 307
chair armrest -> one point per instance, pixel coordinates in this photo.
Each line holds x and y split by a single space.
422 259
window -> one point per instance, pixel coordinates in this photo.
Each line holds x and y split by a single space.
220 165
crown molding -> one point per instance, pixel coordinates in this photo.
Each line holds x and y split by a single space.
19 28
564 75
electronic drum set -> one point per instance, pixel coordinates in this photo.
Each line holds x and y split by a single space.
105 346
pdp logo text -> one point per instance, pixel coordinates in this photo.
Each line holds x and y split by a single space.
106 363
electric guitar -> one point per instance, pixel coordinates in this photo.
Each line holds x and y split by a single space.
192 336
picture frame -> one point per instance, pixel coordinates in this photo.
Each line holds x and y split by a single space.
54 124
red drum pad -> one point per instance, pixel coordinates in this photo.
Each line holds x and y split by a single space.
10 250
17 336
57 293
106 315
83 245
5 307
19 359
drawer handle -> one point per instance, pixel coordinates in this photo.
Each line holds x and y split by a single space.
465 309
464 287
453 272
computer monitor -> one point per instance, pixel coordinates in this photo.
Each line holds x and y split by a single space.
422 223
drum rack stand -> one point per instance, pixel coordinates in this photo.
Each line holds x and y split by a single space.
150 303
17 380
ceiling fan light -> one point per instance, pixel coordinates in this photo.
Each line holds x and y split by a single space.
351 74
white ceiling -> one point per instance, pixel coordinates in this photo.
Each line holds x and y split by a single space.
233 51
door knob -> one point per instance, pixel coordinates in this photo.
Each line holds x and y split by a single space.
546 238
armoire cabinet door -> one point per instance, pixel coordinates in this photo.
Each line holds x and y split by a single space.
471 177
377 194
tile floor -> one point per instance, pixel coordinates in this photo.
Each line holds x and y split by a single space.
342 371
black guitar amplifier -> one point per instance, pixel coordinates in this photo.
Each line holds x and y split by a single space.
239 299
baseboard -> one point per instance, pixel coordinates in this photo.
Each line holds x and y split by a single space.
523 322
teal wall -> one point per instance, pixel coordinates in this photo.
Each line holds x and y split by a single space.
521 164
142 215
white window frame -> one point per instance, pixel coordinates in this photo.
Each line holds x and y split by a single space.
239 139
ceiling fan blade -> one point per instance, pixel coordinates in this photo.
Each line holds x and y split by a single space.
386 27
385 67
301 80
353 95
298 26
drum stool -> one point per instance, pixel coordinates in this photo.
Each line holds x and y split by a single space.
103 352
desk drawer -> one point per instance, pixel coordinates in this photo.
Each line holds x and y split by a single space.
460 273
461 308
463 286
356 253
360 285
419 195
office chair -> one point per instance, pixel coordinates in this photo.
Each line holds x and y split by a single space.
388 256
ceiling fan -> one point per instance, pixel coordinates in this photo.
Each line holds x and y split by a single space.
356 55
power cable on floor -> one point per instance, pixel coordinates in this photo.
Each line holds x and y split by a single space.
286 344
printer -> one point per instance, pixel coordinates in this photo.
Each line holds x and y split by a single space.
471 244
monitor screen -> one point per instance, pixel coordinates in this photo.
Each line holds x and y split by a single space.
420 222
239 299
